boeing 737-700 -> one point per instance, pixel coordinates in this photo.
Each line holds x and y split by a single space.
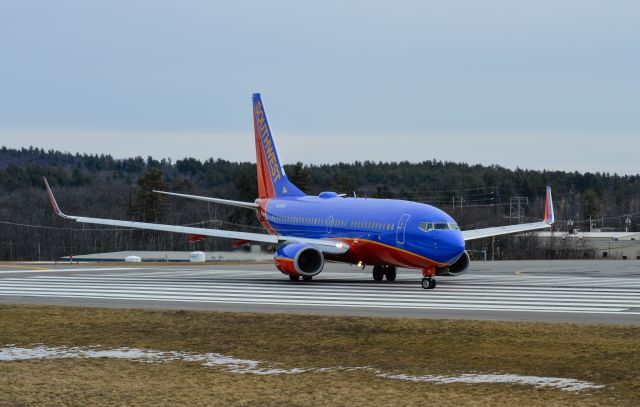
310 230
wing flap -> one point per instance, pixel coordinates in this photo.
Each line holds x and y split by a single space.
229 234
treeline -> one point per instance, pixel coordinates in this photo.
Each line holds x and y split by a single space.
102 186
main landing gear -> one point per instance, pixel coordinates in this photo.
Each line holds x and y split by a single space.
428 282
380 271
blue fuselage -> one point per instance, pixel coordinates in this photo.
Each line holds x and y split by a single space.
378 231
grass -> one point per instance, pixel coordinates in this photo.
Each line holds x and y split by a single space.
608 355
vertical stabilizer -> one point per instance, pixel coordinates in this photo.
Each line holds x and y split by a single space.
272 181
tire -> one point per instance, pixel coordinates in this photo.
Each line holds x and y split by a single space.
390 274
378 273
428 283
307 278
294 278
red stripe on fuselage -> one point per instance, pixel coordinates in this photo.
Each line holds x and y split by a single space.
371 252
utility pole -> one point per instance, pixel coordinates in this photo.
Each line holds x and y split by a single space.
493 247
517 206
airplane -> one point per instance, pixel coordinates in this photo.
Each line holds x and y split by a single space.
311 230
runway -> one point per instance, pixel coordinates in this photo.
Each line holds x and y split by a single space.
555 291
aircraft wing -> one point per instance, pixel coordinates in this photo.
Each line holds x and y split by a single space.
525 227
326 246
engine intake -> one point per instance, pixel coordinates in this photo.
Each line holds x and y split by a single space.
299 259
456 268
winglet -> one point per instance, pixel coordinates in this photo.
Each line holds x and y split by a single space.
548 208
54 204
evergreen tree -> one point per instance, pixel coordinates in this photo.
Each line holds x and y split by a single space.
299 175
340 184
246 182
151 207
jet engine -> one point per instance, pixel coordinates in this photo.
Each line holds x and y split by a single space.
456 268
299 259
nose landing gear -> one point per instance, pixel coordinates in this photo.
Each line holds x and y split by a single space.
428 282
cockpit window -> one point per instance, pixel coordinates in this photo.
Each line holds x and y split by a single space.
429 226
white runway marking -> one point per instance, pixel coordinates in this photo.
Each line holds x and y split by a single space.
349 290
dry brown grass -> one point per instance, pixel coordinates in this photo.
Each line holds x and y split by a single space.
608 355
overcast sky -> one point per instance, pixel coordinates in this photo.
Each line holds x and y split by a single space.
535 84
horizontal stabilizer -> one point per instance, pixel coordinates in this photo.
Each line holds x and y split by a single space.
250 205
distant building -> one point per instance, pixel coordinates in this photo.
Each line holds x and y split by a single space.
598 245
251 253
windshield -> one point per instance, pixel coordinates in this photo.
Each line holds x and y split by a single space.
429 226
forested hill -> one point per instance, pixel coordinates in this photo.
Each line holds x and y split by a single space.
100 185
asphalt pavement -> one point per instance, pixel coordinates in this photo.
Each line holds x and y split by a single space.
554 291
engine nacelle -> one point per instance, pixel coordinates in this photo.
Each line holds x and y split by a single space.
457 268
299 259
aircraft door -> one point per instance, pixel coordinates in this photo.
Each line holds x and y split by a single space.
402 224
329 223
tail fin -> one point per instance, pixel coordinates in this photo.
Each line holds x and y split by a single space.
272 181
548 208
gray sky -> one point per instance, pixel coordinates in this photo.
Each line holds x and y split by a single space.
535 84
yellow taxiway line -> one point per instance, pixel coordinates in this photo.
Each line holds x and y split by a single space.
23 267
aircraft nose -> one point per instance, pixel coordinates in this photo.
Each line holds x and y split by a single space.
451 244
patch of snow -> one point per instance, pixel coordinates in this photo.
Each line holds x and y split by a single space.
11 353
537 381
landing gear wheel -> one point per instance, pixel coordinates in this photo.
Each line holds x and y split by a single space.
390 273
294 278
378 273
307 278
428 283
